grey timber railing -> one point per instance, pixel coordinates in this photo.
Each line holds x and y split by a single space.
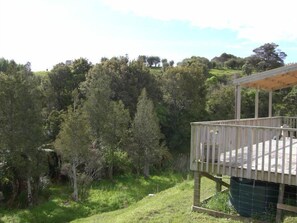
261 149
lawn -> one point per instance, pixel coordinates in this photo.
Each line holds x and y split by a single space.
127 199
104 196
172 205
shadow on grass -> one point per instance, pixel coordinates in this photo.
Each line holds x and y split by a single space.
104 196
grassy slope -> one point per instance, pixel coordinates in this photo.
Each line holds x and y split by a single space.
225 71
104 196
172 205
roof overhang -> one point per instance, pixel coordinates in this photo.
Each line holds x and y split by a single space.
271 80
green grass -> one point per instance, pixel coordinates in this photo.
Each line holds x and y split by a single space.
125 200
172 205
220 202
104 196
41 73
224 72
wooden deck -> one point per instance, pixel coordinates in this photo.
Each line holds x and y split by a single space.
247 148
265 156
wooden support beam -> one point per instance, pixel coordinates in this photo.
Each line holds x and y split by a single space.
238 101
214 178
219 214
219 181
287 207
257 103
197 188
280 201
270 105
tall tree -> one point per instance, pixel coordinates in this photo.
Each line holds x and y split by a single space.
61 86
267 57
79 68
127 81
184 95
114 135
21 131
109 119
153 60
147 134
73 143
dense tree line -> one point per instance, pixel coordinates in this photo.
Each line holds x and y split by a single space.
89 121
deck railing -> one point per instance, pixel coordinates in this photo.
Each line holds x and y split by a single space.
260 149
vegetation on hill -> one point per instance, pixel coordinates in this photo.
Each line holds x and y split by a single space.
80 122
103 196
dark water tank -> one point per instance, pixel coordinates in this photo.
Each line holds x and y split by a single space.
252 197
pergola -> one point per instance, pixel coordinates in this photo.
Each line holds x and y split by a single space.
270 81
261 149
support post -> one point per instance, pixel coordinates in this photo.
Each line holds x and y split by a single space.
280 201
219 183
197 188
257 103
270 105
238 101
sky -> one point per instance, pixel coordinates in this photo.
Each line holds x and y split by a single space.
47 32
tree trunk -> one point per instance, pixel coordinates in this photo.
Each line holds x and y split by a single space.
110 172
29 189
75 189
15 191
146 168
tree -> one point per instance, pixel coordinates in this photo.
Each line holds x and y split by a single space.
109 119
21 132
114 135
267 57
220 103
153 60
184 96
234 63
79 68
73 143
165 64
147 134
142 59
61 84
98 94
127 80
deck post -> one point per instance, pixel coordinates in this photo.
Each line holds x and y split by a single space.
257 103
219 183
270 105
280 201
197 188
238 101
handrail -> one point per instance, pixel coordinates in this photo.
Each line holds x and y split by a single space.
261 149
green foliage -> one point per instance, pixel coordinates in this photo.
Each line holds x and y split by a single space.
266 57
21 132
184 96
73 140
220 202
79 68
147 134
73 143
104 196
220 103
153 60
172 205
60 78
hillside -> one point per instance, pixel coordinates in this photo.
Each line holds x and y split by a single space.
171 205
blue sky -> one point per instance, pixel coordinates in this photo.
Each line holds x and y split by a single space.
46 32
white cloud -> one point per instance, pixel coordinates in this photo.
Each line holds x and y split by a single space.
255 20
